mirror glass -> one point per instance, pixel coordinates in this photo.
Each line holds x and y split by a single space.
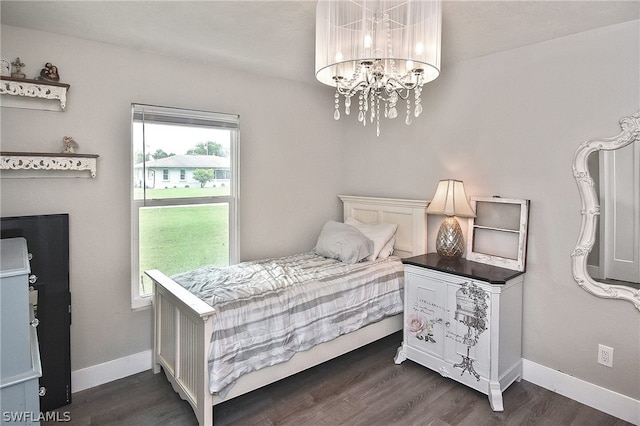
606 259
613 259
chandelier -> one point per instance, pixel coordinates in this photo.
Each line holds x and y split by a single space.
380 51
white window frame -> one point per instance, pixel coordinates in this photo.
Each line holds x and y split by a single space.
184 116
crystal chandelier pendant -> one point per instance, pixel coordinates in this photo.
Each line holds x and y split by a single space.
373 111
393 99
382 50
417 110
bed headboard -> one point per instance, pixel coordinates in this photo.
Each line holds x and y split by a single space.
410 215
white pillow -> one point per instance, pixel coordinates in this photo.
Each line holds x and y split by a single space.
379 233
387 250
343 242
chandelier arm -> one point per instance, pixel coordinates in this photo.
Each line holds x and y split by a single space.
350 91
399 91
407 86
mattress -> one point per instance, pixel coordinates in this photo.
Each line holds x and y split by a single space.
268 310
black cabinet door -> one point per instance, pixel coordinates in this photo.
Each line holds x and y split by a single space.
48 242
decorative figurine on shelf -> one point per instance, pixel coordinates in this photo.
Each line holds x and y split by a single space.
49 72
5 68
17 73
69 145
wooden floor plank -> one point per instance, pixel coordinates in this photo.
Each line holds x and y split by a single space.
363 387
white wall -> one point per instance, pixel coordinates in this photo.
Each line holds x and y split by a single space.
508 124
290 157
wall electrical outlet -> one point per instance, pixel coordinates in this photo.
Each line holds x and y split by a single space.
605 355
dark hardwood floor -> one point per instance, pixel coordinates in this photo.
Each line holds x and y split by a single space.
363 387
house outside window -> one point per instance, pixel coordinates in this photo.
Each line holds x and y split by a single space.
189 218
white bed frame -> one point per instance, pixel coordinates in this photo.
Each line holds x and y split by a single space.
183 323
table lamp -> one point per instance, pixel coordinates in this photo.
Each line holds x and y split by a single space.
450 200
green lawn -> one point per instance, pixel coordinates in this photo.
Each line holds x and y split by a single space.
176 239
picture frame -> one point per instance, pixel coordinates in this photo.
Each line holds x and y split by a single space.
498 234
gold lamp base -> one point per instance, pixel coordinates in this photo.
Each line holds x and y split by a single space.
450 242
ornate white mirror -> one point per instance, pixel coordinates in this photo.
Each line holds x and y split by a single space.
606 260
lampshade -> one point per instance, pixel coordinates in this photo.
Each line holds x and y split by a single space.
451 200
381 51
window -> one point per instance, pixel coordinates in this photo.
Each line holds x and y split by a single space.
184 206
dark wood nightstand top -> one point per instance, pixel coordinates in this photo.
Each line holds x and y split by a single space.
464 268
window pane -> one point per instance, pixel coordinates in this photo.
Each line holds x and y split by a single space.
177 239
180 156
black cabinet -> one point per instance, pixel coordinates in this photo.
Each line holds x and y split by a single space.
48 242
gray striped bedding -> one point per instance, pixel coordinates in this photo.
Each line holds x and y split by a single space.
268 310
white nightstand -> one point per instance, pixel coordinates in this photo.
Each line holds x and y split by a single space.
463 319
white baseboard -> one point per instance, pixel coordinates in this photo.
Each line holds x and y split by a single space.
100 374
605 400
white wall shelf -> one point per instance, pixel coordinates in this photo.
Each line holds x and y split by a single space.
48 162
25 88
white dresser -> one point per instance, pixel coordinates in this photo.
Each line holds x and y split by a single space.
463 319
19 355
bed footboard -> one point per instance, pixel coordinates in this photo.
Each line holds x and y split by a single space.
182 326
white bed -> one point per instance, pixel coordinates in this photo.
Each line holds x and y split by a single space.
183 323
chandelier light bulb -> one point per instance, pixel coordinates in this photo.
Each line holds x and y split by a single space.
368 42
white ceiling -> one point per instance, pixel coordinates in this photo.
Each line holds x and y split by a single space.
278 37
